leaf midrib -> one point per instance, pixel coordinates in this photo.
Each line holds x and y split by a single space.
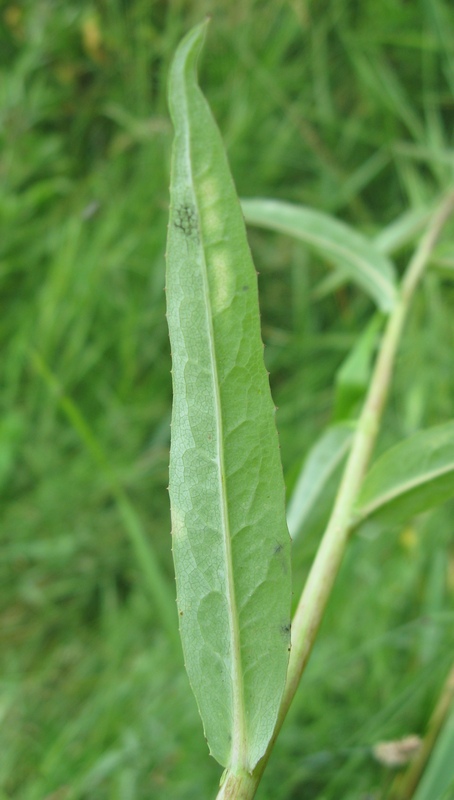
238 752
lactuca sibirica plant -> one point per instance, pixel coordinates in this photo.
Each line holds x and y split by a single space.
230 539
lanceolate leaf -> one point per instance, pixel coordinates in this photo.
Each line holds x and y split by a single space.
343 247
322 462
230 541
411 477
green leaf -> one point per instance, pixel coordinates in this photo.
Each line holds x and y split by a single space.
347 250
322 462
437 782
231 545
402 231
352 377
411 477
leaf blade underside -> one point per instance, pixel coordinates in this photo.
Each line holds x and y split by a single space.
231 546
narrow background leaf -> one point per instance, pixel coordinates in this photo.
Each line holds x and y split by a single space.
230 541
352 377
322 462
341 246
402 231
411 477
437 782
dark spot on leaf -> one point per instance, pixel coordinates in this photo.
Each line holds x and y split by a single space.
245 288
185 219
285 629
278 548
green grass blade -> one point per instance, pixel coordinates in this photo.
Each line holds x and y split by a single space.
230 541
155 579
411 477
438 780
334 241
322 461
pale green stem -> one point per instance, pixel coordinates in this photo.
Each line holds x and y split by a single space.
319 584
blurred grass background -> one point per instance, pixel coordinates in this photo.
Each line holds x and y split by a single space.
344 106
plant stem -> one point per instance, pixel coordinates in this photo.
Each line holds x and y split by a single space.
319 584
